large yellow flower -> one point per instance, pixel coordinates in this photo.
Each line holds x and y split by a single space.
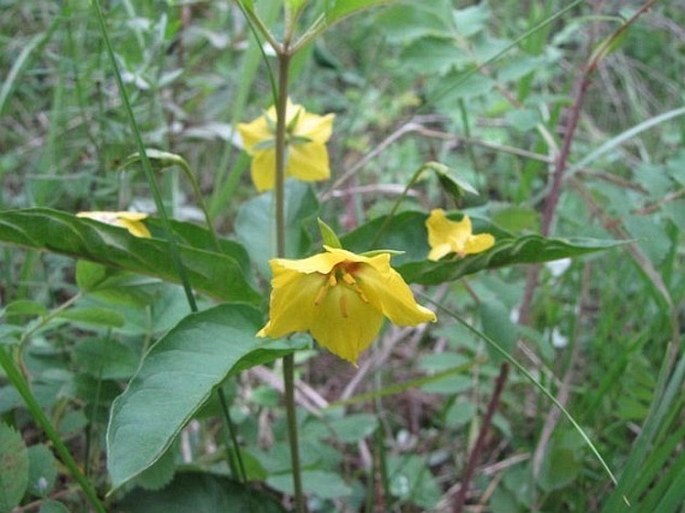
445 236
306 137
132 221
340 298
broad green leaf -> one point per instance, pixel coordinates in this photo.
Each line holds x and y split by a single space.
336 10
14 468
191 492
176 377
105 359
219 275
256 229
407 232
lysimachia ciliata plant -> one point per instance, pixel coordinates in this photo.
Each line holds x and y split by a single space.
339 293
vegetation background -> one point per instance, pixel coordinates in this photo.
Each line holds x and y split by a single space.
482 87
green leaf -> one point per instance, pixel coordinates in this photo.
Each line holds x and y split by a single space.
176 377
323 484
14 468
161 472
25 307
51 506
93 316
106 359
256 229
219 275
497 325
328 236
191 492
42 470
407 231
336 10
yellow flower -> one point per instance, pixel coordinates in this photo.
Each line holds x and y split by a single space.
132 221
340 298
306 154
445 236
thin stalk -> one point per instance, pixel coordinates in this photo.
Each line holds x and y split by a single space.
17 380
289 360
415 177
145 161
237 466
497 347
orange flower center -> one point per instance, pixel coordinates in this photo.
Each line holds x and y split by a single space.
341 274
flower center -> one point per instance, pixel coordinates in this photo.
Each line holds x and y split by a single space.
342 274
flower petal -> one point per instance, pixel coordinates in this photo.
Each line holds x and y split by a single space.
253 133
135 228
263 170
315 127
439 251
308 162
479 243
344 323
291 306
387 291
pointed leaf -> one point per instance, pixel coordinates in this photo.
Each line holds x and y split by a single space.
219 275
176 377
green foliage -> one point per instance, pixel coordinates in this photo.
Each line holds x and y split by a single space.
14 468
220 275
212 344
94 323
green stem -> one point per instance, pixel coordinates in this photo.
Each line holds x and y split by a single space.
145 161
288 361
398 202
15 377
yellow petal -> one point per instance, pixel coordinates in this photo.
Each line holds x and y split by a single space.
479 243
387 291
131 221
321 263
263 170
439 251
253 133
445 236
135 228
345 324
317 128
308 162
291 306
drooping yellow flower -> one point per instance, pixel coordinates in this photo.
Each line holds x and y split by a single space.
306 137
445 236
132 221
340 298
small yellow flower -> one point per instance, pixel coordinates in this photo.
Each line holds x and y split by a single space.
445 236
132 221
340 298
306 154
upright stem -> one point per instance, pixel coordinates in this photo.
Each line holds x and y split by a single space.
288 361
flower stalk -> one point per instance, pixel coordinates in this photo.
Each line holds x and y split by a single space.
279 193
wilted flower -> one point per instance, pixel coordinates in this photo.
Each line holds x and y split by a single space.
445 236
306 137
341 298
132 221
